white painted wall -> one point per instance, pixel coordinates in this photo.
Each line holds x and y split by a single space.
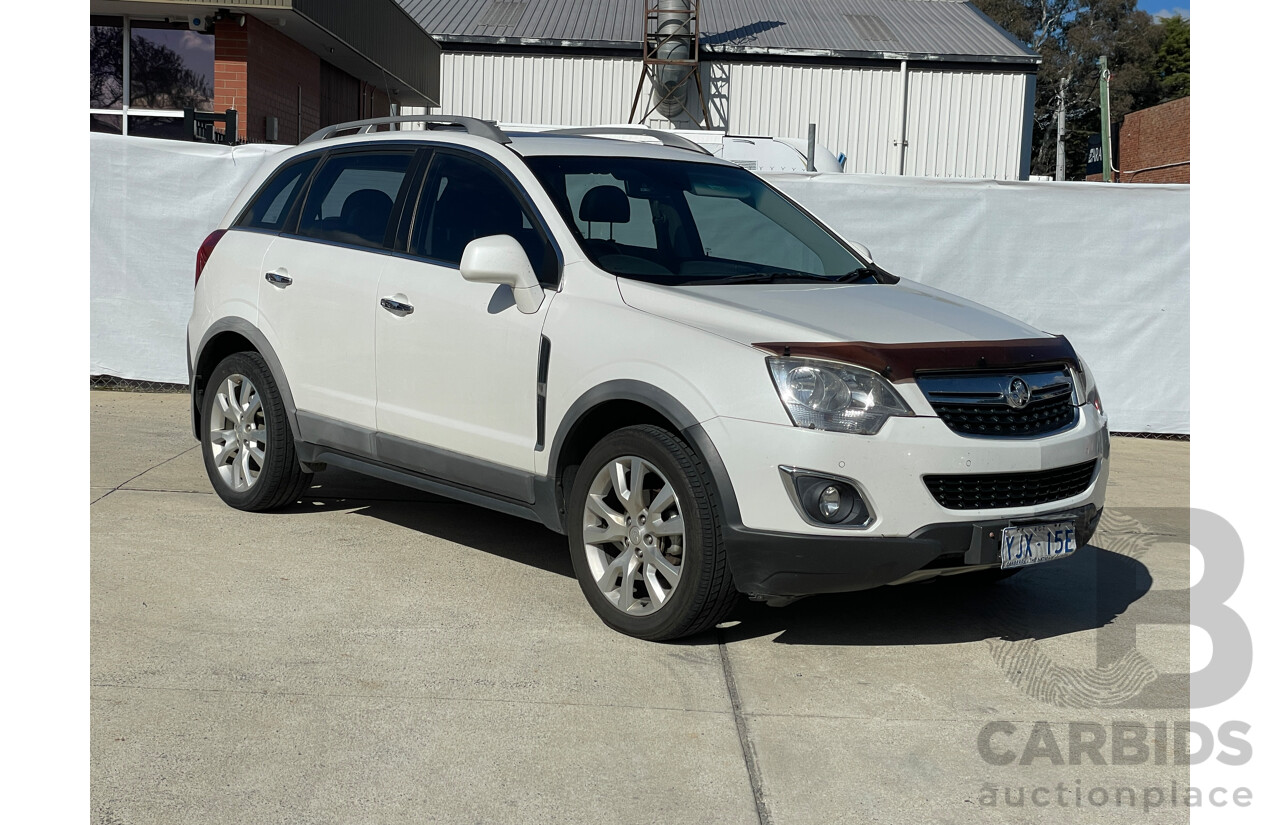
967 124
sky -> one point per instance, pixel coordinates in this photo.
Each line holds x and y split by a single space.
1166 8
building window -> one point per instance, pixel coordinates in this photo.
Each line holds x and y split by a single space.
106 67
168 68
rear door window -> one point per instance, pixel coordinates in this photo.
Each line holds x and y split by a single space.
353 198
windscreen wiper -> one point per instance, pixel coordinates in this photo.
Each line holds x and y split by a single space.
787 278
870 273
758 278
857 275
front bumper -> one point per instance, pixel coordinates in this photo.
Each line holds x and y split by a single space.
889 469
767 565
774 552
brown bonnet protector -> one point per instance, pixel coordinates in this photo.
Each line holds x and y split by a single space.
900 362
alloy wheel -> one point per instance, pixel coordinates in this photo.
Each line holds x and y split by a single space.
634 534
238 433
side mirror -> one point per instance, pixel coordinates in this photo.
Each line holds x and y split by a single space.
500 259
863 251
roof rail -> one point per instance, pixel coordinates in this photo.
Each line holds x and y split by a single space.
665 138
473 126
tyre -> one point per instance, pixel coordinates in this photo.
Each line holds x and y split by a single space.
247 445
645 538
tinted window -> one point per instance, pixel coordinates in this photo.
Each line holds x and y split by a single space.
270 207
353 197
603 204
730 229
678 222
463 200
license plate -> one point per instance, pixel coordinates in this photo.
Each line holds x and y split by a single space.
1034 543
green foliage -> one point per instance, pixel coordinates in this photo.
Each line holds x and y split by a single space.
1173 59
1150 63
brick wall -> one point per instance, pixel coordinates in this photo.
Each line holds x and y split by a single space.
280 68
230 69
377 104
1158 136
261 73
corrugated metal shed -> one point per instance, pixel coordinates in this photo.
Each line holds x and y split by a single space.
951 30
957 123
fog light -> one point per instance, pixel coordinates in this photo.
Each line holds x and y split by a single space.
827 501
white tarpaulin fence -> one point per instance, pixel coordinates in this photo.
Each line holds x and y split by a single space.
1106 265
151 204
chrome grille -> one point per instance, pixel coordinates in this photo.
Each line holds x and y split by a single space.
978 403
985 491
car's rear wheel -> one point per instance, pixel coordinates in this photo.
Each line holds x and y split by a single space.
247 445
645 539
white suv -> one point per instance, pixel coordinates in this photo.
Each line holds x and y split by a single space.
641 346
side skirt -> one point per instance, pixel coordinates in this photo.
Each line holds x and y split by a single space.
542 510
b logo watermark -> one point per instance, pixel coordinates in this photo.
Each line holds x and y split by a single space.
1121 676
1223 552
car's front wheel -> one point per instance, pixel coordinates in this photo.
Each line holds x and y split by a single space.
645 539
248 448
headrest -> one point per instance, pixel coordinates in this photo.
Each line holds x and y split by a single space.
605 204
371 201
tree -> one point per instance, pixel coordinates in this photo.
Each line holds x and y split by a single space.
1173 59
1070 36
158 76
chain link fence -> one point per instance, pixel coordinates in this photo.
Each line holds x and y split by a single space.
111 382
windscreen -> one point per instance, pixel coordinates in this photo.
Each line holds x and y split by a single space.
675 222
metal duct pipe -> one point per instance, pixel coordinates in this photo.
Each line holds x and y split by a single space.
676 38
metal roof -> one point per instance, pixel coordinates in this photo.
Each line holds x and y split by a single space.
884 29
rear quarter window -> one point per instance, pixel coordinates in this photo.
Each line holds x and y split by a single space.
270 207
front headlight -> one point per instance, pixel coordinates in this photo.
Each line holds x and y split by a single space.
826 395
1090 387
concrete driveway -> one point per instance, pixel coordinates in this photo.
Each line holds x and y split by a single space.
376 654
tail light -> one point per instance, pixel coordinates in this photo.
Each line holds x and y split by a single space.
206 249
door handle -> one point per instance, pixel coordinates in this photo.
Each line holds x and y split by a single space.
393 305
278 278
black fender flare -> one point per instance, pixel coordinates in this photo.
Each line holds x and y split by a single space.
254 336
657 399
